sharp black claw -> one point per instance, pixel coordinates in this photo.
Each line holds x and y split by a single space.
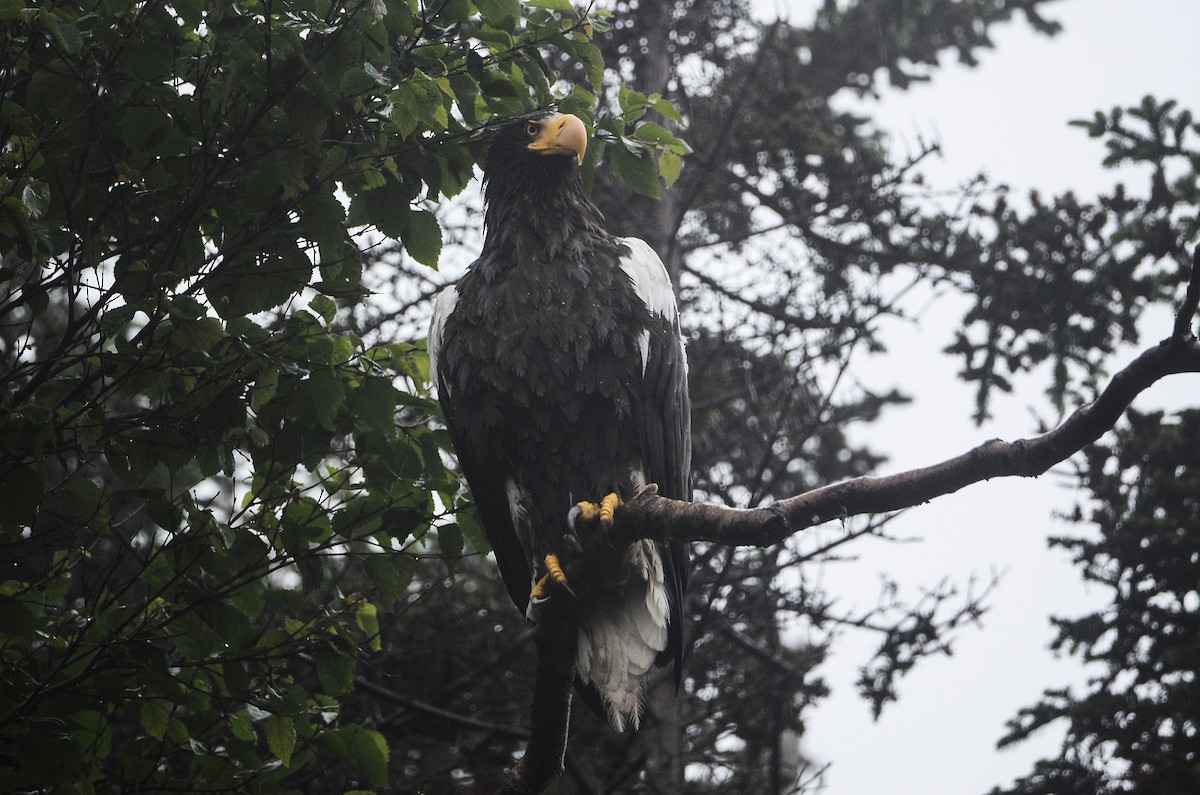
572 537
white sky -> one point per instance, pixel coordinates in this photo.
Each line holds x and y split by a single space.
1008 117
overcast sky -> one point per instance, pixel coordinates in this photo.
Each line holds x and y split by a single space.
1007 117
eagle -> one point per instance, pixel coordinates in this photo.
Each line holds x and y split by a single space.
561 371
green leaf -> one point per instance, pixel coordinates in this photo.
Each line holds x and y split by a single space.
368 621
498 12
242 726
65 33
265 387
450 542
88 504
324 306
668 110
659 136
375 405
192 11
11 10
423 238
144 127
113 321
281 738
553 5
17 618
468 523
368 752
385 207
198 335
21 493
326 395
669 167
360 516
155 715
324 223
637 171
390 576
245 284
336 672
36 198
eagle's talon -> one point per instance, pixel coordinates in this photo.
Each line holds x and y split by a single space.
582 513
572 536
537 594
554 574
648 490
608 509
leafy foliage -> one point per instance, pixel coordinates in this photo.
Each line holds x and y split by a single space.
1134 729
1065 282
210 513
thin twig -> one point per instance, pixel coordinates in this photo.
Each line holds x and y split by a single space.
1191 300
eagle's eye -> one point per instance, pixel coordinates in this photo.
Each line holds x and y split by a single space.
532 129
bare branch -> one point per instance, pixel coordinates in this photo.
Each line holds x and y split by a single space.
1191 300
558 621
651 516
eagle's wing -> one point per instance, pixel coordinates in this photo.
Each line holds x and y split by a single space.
664 414
488 485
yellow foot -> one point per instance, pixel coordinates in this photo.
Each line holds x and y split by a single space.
608 509
554 573
586 512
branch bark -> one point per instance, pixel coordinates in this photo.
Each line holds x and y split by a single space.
554 641
651 516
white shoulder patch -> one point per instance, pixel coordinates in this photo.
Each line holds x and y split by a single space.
649 276
652 284
442 308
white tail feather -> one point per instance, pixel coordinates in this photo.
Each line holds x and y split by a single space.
623 629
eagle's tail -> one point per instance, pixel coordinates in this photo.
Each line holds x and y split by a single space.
622 631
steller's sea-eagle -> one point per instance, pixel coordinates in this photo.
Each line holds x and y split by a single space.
562 375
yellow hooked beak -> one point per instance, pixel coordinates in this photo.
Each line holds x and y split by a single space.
563 134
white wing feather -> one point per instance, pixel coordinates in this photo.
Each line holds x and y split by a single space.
652 284
442 308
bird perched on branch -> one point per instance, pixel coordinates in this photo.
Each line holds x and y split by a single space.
562 375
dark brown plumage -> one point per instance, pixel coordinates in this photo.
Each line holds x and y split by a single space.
563 378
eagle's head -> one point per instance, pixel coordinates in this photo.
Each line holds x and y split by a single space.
543 133
539 148
531 171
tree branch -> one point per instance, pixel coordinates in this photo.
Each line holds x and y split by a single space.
651 516
1191 300
558 622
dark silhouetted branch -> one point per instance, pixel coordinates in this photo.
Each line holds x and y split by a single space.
558 621
651 516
